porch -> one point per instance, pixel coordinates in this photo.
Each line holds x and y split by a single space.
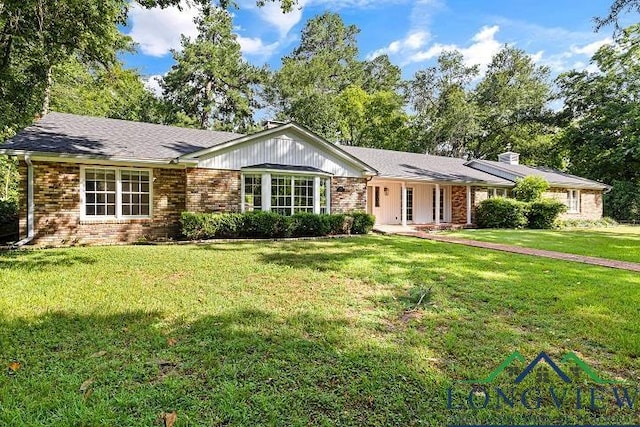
405 202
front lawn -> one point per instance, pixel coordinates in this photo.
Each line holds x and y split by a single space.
619 243
359 331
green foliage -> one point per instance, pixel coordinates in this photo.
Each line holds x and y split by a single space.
323 85
500 212
210 83
587 223
340 223
530 188
446 118
270 225
542 214
623 201
603 136
362 222
305 224
8 211
94 90
265 225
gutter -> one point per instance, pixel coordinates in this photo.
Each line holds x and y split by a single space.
30 206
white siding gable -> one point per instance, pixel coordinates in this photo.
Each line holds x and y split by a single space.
286 149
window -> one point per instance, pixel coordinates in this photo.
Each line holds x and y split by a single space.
497 192
573 201
281 194
302 194
253 192
135 193
376 197
285 194
409 203
100 192
116 193
324 200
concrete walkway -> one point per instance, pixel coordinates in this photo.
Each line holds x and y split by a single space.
622 265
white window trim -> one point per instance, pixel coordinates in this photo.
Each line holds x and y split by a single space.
573 195
266 189
118 216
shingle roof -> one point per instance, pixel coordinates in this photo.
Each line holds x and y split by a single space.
554 177
95 136
290 168
398 164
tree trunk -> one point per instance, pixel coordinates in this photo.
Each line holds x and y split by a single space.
47 93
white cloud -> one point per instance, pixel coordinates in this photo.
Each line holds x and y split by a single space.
480 52
256 47
158 30
282 22
411 43
152 83
590 48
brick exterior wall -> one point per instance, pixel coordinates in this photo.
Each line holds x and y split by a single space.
353 198
591 206
212 190
57 208
458 204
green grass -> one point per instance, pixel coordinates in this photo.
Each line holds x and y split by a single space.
297 333
618 243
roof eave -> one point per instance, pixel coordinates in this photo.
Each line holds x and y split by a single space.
94 158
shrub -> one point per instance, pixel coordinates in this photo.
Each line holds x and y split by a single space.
265 225
530 188
501 213
269 225
206 226
8 211
307 224
587 223
543 213
339 223
362 222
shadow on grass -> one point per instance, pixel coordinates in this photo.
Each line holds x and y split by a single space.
33 260
245 367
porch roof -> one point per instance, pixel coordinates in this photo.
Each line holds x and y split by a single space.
423 167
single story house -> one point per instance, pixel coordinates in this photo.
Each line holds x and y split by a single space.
96 180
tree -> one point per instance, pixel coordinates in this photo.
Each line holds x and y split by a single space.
372 120
210 84
513 100
445 120
618 7
112 92
603 138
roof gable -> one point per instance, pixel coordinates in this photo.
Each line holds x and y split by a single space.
287 144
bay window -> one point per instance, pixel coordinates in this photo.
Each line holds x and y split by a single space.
285 193
115 193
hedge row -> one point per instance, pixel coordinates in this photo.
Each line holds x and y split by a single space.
500 212
269 225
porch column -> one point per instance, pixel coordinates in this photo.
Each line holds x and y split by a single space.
316 195
242 193
266 192
404 204
437 202
468 205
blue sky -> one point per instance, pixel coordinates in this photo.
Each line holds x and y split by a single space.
557 33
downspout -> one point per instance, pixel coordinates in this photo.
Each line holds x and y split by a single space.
30 206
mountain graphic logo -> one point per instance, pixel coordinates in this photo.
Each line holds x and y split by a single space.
567 359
